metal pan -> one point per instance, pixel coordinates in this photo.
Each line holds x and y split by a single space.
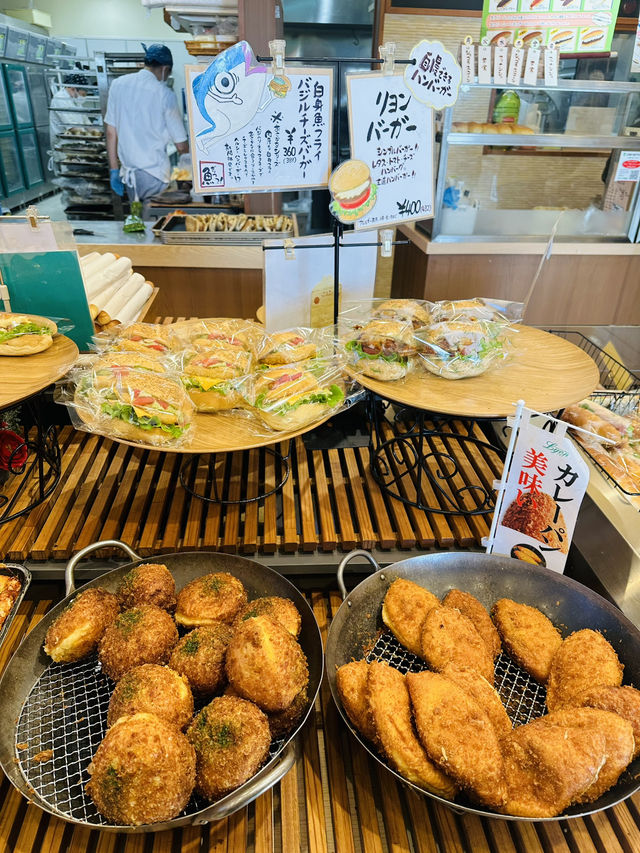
357 631
15 570
62 707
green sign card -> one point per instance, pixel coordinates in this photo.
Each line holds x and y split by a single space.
49 284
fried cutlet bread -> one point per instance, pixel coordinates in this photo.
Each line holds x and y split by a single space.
404 609
283 610
458 736
549 767
155 690
479 689
448 637
624 701
527 636
351 681
78 629
200 656
216 597
231 738
266 664
470 607
619 743
584 661
388 700
144 634
149 583
142 772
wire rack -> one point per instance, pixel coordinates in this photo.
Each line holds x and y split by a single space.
61 725
523 698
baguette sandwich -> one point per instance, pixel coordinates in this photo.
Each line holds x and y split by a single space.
25 334
288 398
286 348
147 338
383 349
208 377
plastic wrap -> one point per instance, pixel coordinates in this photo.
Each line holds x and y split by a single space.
497 311
210 377
381 349
459 350
131 403
289 397
296 345
217 332
416 312
156 340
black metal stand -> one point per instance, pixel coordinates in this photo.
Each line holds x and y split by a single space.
423 464
43 461
214 469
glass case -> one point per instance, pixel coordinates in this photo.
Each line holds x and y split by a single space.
517 163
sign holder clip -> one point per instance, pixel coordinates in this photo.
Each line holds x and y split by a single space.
388 55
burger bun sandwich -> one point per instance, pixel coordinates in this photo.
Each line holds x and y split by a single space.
353 192
459 350
289 398
25 334
140 406
465 310
406 310
286 348
209 377
383 349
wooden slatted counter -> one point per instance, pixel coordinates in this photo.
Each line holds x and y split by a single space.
334 799
330 503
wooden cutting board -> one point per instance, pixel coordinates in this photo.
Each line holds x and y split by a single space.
21 376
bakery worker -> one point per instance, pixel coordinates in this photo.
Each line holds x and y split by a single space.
142 119
66 103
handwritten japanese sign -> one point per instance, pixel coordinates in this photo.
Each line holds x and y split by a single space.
244 138
393 134
543 487
435 76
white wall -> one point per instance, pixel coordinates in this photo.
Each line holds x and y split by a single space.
104 18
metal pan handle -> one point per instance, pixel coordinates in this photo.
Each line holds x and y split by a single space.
248 793
69 577
343 565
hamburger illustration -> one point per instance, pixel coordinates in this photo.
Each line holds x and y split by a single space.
288 398
352 190
538 516
208 377
383 349
24 334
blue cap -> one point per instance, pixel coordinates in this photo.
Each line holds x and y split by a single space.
157 54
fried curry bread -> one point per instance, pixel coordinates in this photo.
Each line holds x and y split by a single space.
155 690
144 634
404 610
448 637
283 610
148 583
143 771
388 701
231 738
351 681
584 661
78 629
470 607
266 664
216 597
528 636
199 656
479 689
624 701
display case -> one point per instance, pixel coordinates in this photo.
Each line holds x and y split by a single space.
552 168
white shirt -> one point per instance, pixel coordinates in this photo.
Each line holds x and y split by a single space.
60 121
146 117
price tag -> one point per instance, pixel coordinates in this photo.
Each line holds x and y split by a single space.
551 66
516 63
468 60
500 65
531 65
484 63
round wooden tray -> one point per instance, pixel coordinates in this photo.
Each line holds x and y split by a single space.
544 370
25 375
223 433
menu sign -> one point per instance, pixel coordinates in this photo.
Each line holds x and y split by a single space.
572 26
251 131
392 133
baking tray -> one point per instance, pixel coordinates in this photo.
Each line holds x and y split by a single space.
174 231
16 570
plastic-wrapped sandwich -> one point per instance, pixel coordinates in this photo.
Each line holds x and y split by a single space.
209 377
457 350
382 349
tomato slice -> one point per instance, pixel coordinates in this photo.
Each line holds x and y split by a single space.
141 399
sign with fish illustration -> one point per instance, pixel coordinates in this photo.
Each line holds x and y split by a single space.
572 26
251 132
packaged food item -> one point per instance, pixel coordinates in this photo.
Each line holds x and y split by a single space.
150 338
468 311
291 396
414 311
287 347
382 349
123 362
139 405
458 350
209 377
25 334
217 332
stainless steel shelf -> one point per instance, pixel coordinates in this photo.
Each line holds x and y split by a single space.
544 140
611 87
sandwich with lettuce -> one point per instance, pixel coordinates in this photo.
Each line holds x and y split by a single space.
209 377
288 398
25 334
383 349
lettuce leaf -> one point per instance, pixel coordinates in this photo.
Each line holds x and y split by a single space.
331 397
191 382
125 412
23 329
356 346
